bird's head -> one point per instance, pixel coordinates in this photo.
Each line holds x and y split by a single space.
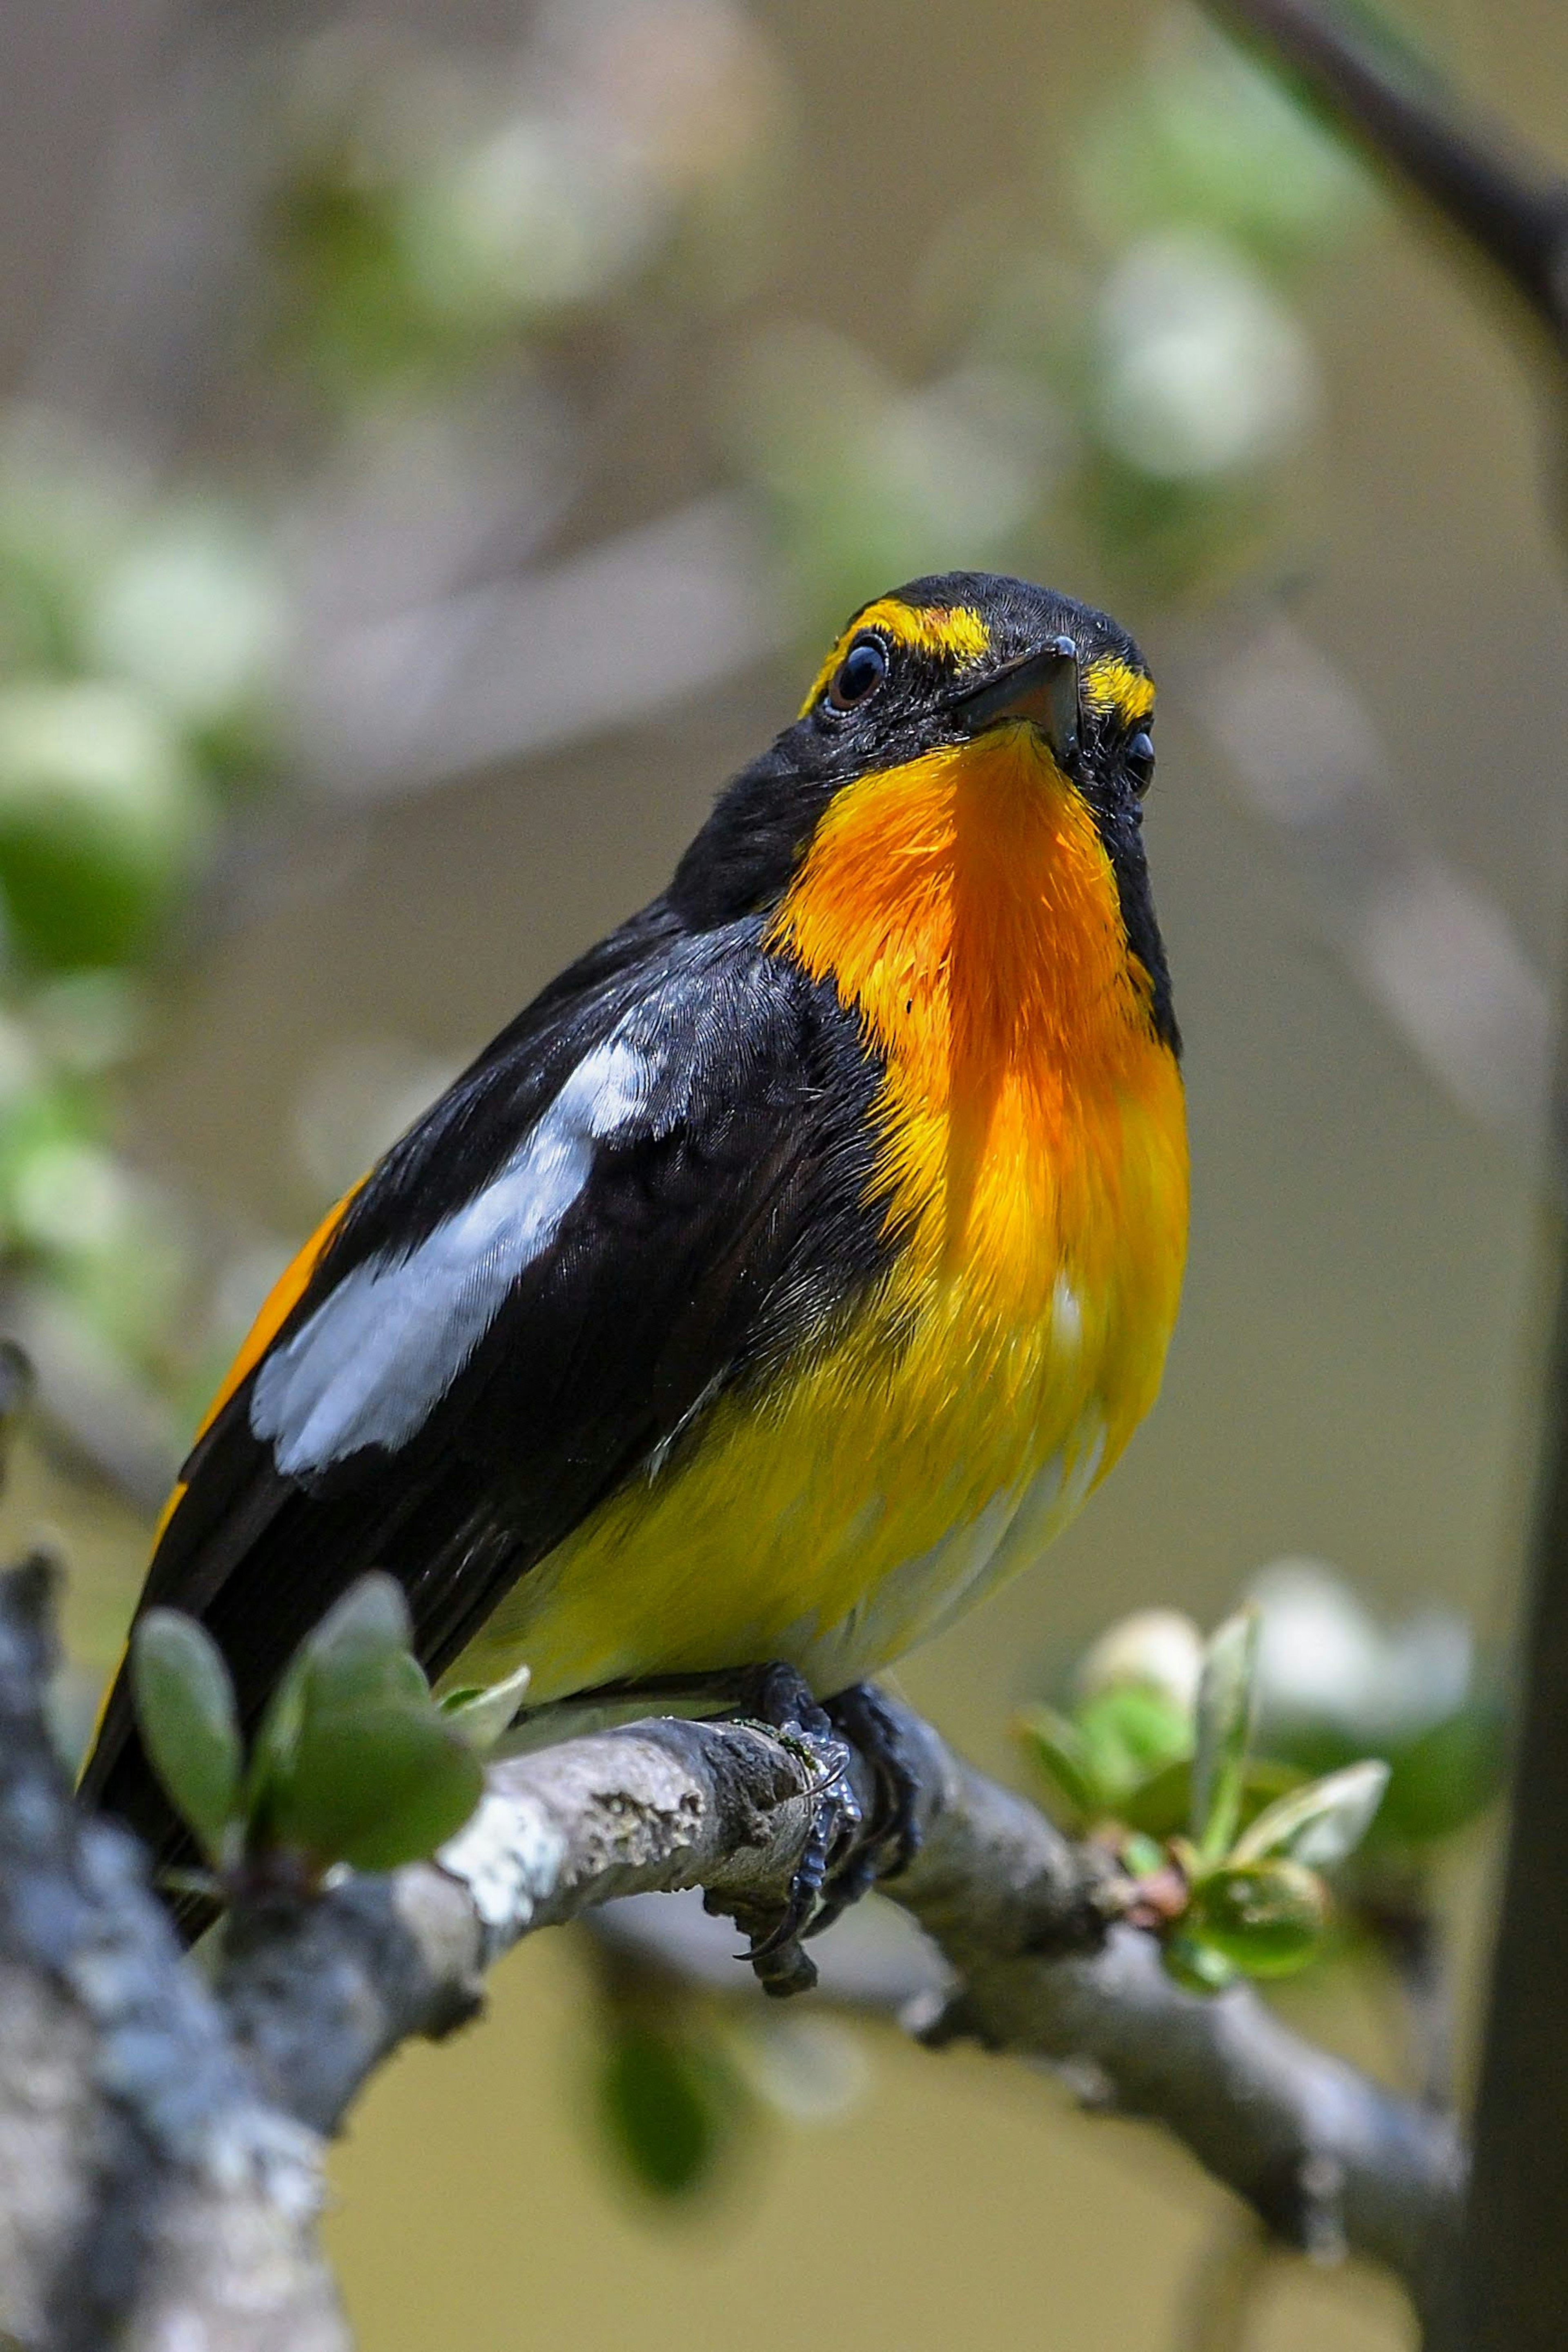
971 677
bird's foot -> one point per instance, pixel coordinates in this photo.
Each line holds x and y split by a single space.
892 1837
778 1699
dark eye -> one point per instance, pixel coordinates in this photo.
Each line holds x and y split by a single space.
1140 759
859 673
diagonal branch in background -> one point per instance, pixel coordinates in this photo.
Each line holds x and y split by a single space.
1515 219
1429 944
1511 213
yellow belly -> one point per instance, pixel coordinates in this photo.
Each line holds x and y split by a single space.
846 1510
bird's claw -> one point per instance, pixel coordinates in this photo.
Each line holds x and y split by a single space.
891 1838
778 1700
840 1864
835 1819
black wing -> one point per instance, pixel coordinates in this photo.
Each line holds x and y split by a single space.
658 1182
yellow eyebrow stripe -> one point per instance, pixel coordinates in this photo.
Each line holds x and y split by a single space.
954 632
1113 685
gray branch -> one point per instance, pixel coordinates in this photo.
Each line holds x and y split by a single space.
159 2134
148 2195
320 1996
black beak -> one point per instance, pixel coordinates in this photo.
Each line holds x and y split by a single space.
1042 687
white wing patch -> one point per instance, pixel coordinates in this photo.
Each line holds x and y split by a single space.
380 1351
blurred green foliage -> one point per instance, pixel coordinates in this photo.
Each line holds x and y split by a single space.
141 635
1122 385
674 2111
691 2084
434 215
354 1760
1223 1849
1302 1739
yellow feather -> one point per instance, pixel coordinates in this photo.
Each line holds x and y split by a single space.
1110 684
955 633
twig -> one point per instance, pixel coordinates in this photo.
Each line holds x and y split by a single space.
320 1996
1512 212
1513 2269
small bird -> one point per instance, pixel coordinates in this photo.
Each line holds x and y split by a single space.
787 1274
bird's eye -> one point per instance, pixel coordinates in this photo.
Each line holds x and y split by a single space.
859 673
1140 759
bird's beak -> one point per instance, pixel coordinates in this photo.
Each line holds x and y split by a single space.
1042 687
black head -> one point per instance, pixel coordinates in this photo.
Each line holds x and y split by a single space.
938 662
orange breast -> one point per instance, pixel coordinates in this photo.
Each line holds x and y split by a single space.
965 905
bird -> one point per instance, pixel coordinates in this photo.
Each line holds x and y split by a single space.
783 1279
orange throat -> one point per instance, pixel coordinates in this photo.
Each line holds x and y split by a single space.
1032 1124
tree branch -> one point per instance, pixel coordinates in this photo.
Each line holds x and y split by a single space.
1511 213
148 2197
159 2139
320 1995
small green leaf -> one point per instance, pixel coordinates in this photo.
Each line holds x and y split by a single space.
670 2109
1320 1824
1132 1732
354 1761
375 1785
361 1648
1162 1805
272 1752
1226 1698
1196 1965
185 1711
1056 1746
103 821
1141 1856
1267 1917
484 1715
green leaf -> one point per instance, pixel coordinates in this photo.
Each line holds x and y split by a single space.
1055 1745
1227 1698
361 1648
1266 1918
354 1761
1196 1965
670 2109
272 1753
1320 1824
1141 1856
185 1712
1162 1806
1131 1731
484 1715
374 1784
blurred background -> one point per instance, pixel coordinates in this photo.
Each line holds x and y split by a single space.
436 440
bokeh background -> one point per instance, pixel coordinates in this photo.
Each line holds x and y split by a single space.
436 439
